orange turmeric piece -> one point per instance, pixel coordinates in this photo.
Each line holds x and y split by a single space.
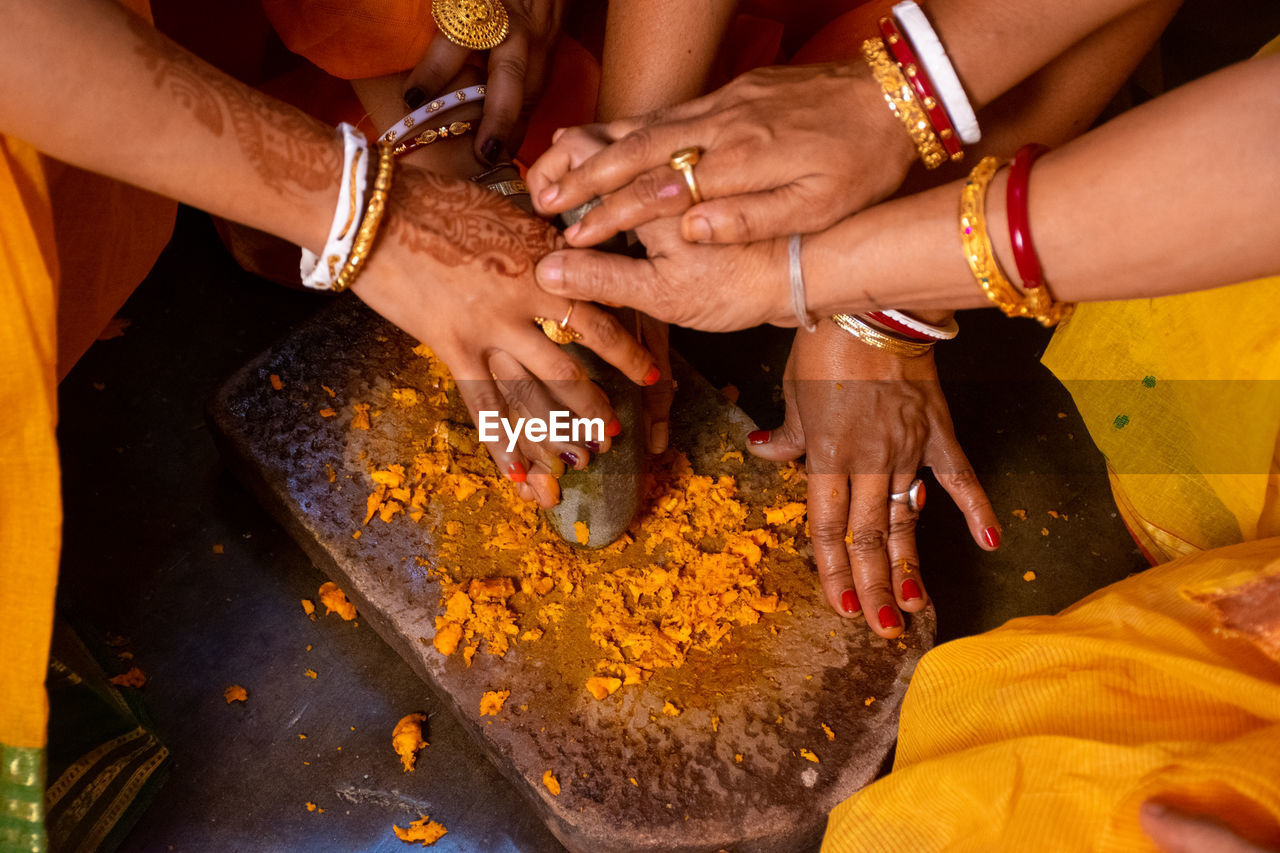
335 601
361 418
807 755
785 514
235 693
551 782
424 829
581 533
328 413
601 687
275 382
406 739
492 701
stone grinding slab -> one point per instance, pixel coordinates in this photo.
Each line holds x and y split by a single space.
771 692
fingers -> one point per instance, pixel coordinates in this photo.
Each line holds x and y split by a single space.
1175 831
867 541
655 194
563 377
480 393
572 147
955 474
828 519
604 335
747 218
658 396
904 558
599 277
787 442
527 397
504 98
439 65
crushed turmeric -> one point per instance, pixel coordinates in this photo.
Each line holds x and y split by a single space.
423 829
551 782
335 601
492 701
235 693
406 739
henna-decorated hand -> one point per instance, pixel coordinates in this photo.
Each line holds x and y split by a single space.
454 268
866 421
517 69
784 150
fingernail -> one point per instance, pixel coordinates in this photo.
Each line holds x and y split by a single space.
651 378
593 446
613 428
570 459
557 468
921 493
910 590
849 601
559 132
889 617
491 151
572 231
549 194
551 268
415 98
759 436
658 435
517 473
699 230
992 536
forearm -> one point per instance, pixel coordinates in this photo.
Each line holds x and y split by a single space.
1168 198
658 53
90 84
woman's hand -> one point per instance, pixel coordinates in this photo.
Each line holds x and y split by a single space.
517 69
784 150
866 421
454 268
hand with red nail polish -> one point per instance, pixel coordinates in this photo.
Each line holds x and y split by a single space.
866 422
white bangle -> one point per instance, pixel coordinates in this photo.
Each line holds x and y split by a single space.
444 103
803 317
929 50
319 274
941 333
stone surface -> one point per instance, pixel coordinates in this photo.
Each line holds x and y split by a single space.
772 694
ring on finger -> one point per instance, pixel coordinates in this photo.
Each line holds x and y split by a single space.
913 497
683 162
561 332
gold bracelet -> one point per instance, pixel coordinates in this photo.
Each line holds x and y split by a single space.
897 93
430 135
981 255
872 336
369 223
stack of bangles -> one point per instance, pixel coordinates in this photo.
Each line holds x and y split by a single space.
1032 299
921 86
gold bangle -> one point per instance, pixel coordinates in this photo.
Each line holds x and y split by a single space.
872 336
430 135
897 93
369 223
981 255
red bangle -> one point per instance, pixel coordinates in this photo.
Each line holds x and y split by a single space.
1024 251
923 86
900 328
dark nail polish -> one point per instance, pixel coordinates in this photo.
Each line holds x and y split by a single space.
613 428
593 446
651 378
517 473
759 436
889 617
992 536
570 459
911 590
491 151
415 98
849 602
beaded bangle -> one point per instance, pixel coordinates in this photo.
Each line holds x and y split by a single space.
444 103
934 60
430 135
981 256
918 77
905 324
369 223
872 336
897 94
1024 251
342 233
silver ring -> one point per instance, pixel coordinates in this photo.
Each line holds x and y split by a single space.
913 497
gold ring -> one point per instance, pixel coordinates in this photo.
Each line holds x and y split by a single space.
561 332
473 24
683 161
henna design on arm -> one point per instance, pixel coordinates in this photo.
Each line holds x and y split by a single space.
290 151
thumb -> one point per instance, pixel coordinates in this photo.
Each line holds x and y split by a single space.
597 277
784 443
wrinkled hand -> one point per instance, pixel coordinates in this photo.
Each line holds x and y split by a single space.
454 268
784 150
866 421
517 70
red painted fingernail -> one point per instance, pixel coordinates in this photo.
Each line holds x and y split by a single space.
889 617
612 428
849 601
992 535
517 473
910 590
920 496
651 378
760 436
